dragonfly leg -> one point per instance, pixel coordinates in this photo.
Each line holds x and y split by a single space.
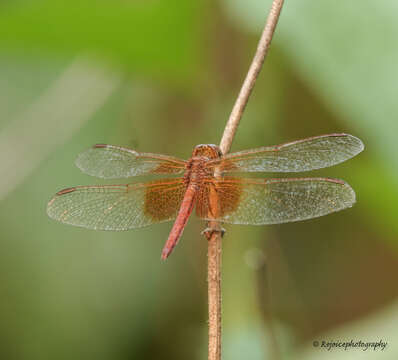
209 231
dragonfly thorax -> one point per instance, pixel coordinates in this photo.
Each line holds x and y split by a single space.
196 170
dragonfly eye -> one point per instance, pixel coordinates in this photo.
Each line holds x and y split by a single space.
209 151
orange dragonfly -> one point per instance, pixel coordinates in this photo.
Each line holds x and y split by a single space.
233 200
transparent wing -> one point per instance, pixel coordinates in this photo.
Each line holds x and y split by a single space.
111 162
118 207
301 155
274 201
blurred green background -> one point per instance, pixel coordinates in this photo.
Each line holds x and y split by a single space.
161 76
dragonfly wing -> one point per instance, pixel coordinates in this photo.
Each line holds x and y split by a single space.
118 207
111 162
275 201
301 155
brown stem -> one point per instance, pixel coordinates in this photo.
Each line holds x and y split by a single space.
251 77
214 294
214 237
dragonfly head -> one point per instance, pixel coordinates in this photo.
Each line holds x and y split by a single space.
210 151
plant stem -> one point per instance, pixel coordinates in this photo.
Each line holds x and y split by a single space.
214 294
251 77
214 239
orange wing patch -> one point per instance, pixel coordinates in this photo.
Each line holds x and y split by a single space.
163 198
215 201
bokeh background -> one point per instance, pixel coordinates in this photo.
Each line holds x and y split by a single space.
161 76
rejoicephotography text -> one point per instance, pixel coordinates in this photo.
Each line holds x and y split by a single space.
346 345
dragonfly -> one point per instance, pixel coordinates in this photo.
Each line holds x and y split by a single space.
211 183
